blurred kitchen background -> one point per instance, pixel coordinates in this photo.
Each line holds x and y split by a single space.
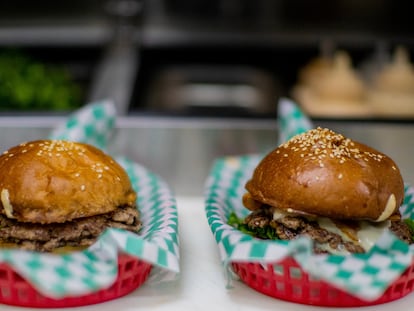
196 79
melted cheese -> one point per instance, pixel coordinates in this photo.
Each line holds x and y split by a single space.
278 213
389 208
366 233
330 226
5 200
369 233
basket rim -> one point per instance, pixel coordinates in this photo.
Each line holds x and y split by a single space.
306 288
17 291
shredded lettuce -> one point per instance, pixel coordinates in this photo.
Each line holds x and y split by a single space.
267 233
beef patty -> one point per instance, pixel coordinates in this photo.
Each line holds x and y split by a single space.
81 232
291 227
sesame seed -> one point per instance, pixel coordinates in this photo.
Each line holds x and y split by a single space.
83 187
322 142
340 176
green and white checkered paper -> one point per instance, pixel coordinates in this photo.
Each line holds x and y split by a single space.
366 276
85 272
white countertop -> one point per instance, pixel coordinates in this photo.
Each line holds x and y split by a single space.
202 285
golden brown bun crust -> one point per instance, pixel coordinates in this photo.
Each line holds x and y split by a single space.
49 181
323 173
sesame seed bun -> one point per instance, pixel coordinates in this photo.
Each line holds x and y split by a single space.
55 181
323 173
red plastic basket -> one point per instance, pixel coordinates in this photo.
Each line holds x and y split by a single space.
287 281
14 290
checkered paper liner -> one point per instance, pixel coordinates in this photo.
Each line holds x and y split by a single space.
92 124
291 120
366 276
95 268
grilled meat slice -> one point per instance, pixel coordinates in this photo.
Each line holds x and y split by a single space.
290 227
79 232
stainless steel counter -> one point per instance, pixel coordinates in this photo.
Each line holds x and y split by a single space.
181 150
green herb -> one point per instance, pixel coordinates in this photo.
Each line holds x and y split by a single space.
410 223
28 84
267 233
234 221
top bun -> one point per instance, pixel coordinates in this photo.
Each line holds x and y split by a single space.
323 173
53 181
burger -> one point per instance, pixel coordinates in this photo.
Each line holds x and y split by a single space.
61 195
340 193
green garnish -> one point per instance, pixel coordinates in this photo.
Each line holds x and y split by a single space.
29 84
410 223
267 233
